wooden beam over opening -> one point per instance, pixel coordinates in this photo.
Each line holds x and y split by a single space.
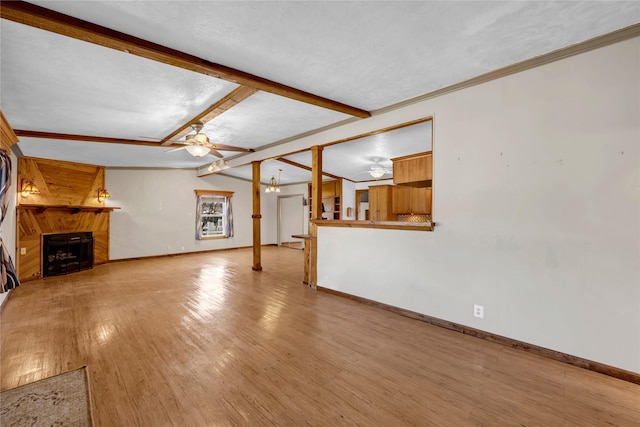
305 167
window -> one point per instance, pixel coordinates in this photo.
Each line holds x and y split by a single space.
214 218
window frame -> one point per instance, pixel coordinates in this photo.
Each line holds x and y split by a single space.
210 198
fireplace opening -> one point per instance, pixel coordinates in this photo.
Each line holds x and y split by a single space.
67 253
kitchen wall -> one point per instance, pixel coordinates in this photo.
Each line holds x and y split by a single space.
537 202
158 212
348 199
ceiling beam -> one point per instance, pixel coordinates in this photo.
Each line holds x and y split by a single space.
232 99
87 138
301 166
45 19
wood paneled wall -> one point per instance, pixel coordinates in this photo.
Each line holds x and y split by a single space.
65 189
7 136
61 183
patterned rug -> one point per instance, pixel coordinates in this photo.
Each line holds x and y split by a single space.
62 400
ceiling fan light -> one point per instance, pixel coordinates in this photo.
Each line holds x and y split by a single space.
201 138
197 151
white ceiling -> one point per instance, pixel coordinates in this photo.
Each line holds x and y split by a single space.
369 55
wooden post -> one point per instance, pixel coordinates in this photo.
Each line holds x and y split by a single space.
257 266
316 211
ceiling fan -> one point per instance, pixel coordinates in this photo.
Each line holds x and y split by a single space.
198 145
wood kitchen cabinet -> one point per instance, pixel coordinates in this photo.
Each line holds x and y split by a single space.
329 189
415 170
380 203
331 197
411 200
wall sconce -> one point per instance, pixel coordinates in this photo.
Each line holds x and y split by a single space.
28 187
103 194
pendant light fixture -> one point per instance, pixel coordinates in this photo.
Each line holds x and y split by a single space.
274 186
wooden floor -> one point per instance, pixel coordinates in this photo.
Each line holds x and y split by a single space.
202 340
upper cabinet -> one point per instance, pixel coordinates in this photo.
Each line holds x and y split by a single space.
331 189
415 170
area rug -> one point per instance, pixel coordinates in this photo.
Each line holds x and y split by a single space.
61 400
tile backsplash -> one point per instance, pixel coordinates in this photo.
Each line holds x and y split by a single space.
414 218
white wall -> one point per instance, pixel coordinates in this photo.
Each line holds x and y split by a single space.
8 228
348 199
537 202
158 212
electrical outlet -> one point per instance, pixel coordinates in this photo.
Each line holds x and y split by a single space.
478 311
182 248
23 251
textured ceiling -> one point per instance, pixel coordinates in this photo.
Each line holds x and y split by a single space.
369 55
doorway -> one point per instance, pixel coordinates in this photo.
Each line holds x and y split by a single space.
290 220
362 205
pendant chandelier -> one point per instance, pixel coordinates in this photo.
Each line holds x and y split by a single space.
274 186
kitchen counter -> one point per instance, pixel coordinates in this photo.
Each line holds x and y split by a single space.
392 225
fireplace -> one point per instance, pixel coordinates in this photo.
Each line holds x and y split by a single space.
66 253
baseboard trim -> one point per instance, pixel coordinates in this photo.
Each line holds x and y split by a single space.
185 253
598 367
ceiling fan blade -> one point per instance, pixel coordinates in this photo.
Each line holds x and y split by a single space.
232 148
176 149
215 153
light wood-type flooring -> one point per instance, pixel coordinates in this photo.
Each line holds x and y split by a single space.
202 340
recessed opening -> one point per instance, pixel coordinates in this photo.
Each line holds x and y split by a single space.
66 253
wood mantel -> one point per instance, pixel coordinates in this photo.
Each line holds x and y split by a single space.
73 208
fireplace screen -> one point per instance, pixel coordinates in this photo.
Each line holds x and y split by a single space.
67 253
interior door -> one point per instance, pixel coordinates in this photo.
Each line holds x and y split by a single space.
290 220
